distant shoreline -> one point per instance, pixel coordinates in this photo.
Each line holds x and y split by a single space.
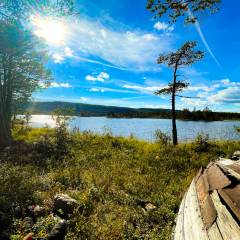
88 110
184 120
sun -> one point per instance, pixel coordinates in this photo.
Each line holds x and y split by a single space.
51 30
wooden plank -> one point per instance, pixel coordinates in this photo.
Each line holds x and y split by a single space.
231 197
225 161
207 209
227 225
216 178
214 233
209 213
198 174
229 171
210 164
202 187
235 167
179 231
193 223
233 173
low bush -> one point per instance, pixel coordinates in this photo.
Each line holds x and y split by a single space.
202 143
162 138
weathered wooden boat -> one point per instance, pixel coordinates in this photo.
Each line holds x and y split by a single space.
210 209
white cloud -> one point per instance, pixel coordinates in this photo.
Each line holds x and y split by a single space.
60 85
144 89
101 77
84 99
162 26
130 49
104 33
68 52
97 90
104 75
190 102
228 95
155 106
149 37
57 58
201 88
228 82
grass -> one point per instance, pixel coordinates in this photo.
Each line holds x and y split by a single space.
109 176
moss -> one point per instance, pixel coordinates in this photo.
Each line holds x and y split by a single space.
109 176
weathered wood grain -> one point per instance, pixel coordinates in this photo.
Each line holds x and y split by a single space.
207 208
191 225
227 225
214 233
179 229
235 167
231 197
216 178
225 161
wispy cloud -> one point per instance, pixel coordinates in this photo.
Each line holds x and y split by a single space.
84 99
118 47
143 89
200 32
188 102
228 95
97 90
68 52
105 89
60 85
201 88
58 58
228 82
55 85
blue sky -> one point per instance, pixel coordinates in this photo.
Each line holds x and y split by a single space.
108 56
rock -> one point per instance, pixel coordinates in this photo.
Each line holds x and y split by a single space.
149 207
64 205
58 232
38 211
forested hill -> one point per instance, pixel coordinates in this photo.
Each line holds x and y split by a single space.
85 110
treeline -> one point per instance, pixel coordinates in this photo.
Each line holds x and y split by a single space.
195 115
89 110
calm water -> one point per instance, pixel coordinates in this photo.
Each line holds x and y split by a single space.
145 128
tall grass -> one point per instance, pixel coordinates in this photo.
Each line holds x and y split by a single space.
111 177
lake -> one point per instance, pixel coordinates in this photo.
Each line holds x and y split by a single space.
145 128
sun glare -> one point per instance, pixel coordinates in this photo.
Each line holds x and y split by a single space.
51 30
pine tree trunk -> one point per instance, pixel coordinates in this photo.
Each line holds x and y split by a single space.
5 126
174 125
6 107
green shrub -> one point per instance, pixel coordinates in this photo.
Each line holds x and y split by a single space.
201 143
162 138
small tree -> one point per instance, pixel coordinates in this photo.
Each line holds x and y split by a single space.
184 56
23 57
179 8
